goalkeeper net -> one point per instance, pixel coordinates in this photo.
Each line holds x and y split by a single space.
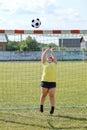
20 68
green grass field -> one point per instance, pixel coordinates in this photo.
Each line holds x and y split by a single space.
20 94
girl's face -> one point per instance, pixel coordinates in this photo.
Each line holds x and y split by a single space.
49 60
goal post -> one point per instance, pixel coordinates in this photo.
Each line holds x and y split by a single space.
21 69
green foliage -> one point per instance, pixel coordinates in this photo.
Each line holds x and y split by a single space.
84 49
32 44
23 46
63 48
53 45
12 46
29 44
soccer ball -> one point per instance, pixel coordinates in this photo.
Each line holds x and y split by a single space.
36 23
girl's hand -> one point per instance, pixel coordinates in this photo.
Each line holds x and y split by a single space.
51 50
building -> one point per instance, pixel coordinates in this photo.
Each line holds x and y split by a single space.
83 41
3 42
70 43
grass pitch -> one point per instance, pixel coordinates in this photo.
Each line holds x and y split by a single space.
20 93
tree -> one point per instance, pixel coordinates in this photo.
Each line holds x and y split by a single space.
12 46
53 45
23 46
29 44
32 44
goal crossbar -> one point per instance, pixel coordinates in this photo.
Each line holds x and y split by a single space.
43 31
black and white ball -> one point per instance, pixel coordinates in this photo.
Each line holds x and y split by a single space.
36 23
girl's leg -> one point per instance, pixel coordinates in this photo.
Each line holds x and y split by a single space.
44 92
52 99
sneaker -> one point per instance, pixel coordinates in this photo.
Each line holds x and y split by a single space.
52 110
41 108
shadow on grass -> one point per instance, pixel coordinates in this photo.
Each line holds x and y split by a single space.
72 118
68 127
51 127
25 124
50 123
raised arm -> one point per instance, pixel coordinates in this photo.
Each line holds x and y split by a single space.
53 56
43 57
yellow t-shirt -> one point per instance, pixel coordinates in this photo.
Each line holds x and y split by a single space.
49 72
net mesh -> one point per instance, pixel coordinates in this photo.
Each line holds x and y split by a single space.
20 72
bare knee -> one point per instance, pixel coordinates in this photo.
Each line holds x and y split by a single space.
51 95
43 95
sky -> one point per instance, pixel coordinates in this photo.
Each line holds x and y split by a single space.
54 14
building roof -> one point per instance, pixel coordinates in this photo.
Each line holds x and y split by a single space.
83 38
3 38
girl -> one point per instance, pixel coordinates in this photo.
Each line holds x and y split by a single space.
48 80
